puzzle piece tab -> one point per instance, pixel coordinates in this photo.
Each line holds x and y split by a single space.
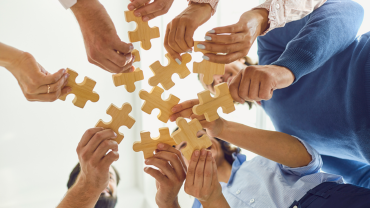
154 100
142 32
120 118
163 74
187 132
207 68
82 91
148 145
208 105
128 79
136 54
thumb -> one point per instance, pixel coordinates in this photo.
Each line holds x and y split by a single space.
234 87
227 29
53 78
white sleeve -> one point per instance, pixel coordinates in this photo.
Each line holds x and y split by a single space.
68 3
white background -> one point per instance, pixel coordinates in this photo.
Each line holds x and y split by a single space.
38 140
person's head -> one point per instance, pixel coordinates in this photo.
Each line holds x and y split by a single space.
231 70
108 198
221 151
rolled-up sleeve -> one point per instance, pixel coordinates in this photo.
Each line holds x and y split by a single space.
313 167
213 3
68 3
284 11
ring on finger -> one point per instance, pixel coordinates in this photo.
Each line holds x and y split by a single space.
118 52
48 89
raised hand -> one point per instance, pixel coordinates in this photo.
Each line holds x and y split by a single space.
235 40
170 176
202 182
180 31
103 46
148 10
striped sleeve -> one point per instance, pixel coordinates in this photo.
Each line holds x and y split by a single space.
213 3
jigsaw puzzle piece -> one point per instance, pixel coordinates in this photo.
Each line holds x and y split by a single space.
128 79
82 91
120 117
143 32
163 74
136 54
154 100
148 145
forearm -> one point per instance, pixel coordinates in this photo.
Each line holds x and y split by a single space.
78 196
279 147
220 202
8 55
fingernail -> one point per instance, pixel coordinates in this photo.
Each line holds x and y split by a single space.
146 161
200 46
196 152
178 61
160 145
66 76
128 57
205 58
137 14
133 59
208 38
131 47
115 134
131 7
146 168
189 51
64 71
204 152
173 109
69 90
209 153
211 31
145 18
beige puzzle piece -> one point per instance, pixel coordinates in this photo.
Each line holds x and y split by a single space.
143 32
148 144
208 105
163 74
136 54
187 132
207 68
128 79
154 100
82 91
120 118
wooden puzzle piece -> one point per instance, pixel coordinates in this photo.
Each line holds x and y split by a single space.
142 32
163 74
128 79
120 118
187 132
136 54
154 100
82 91
208 105
148 144
207 68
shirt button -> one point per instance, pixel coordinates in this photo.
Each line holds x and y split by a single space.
295 206
251 201
277 6
238 192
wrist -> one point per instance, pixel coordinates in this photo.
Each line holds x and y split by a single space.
9 56
84 7
224 128
205 8
218 201
263 19
174 204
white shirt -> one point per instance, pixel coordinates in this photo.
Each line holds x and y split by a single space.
68 3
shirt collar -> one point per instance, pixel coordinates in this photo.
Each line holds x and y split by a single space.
239 159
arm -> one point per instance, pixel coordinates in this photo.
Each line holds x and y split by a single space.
36 83
95 163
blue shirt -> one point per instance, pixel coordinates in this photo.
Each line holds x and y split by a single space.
328 105
263 183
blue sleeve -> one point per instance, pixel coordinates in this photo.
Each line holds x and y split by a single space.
196 203
326 32
313 167
353 172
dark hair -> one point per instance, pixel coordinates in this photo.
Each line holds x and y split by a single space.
76 171
226 147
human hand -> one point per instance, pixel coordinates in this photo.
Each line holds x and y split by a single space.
94 161
35 81
148 10
235 40
202 182
256 83
169 177
103 46
180 31
185 110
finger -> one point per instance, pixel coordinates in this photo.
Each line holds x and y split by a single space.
173 54
136 4
214 174
184 105
110 66
224 59
98 138
174 161
199 170
227 29
198 117
190 175
108 159
54 87
148 17
88 135
155 6
254 89
45 97
208 170
166 147
65 91
157 175
180 38
189 34
185 114
245 84
102 150
234 87
265 92
172 36
122 47
222 48
52 78
119 59
226 39
164 166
